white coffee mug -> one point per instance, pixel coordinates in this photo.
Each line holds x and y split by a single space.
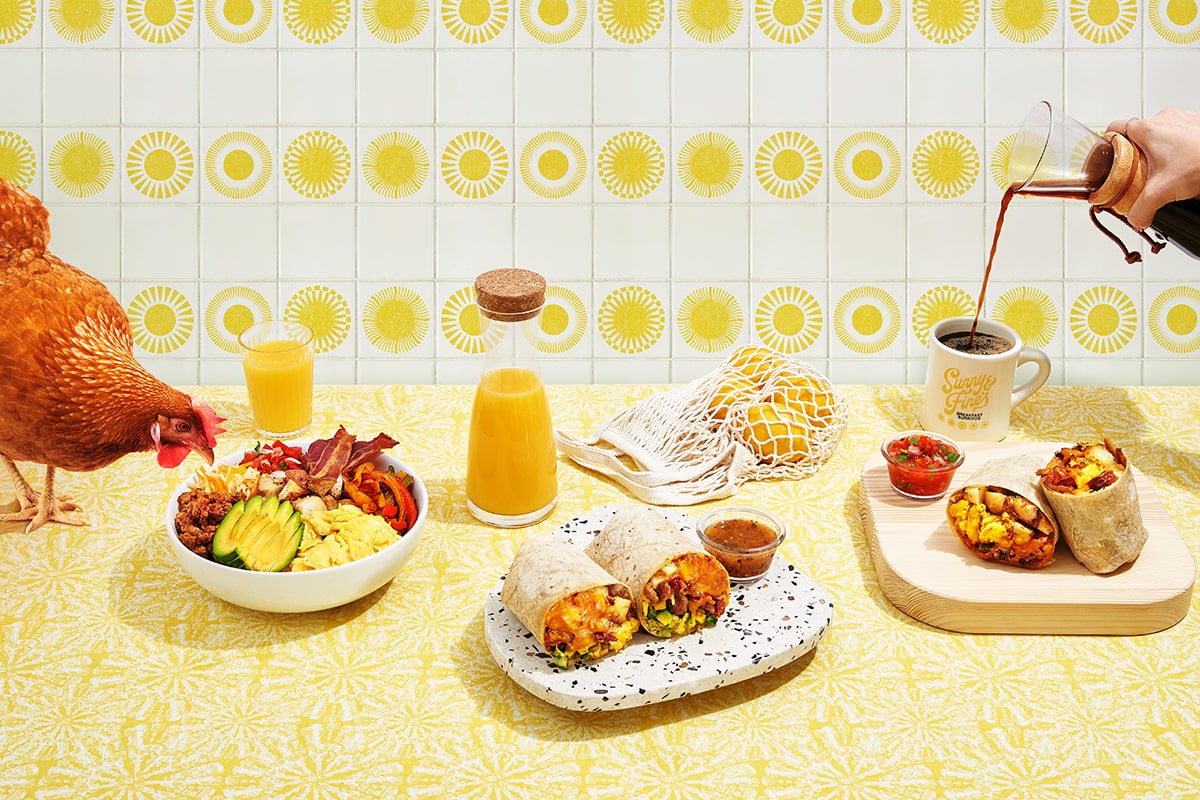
970 396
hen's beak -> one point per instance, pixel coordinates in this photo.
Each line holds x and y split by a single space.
202 449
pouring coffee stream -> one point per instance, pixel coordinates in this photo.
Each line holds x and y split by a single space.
1055 156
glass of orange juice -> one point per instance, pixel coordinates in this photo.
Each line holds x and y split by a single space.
277 357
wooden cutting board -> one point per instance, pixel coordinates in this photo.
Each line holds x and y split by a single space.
926 572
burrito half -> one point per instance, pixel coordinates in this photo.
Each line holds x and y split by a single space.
1091 489
575 609
1001 514
677 586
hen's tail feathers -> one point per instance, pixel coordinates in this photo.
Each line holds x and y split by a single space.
24 221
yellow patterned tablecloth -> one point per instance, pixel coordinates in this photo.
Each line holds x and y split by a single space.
119 678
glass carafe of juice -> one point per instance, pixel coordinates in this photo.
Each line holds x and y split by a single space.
512 477
1053 155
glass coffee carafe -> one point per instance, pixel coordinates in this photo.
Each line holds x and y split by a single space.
1056 156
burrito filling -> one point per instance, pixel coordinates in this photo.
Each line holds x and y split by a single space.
689 592
999 525
1084 468
589 624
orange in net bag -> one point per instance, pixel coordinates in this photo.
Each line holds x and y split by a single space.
759 415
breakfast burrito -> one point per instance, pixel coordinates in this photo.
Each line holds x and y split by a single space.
575 609
677 586
1090 487
1001 514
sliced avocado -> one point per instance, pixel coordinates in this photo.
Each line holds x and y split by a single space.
262 535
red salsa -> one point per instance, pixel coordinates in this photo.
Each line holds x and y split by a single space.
739 545
920 465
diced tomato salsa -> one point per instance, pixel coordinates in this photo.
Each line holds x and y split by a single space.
920 465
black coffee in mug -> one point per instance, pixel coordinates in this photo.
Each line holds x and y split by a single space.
981 344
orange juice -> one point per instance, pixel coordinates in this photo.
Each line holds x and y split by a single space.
279 380
511 461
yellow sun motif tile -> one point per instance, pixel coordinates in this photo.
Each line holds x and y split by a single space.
1030 312
631 164
395 319
231 311
316 164
81 164
81 21
18 162
710 319
553 164
238 165
238 21
160 165
937 304
631 21
866 165
1175 21
553 21
161 318
160 22
474 165
945 21
395 165
999 163
788 319
788 165
16 20
631 319
563 321
788 21
709 20
1024 21
866 320
475 21
866 21
395 21
1103 319
945 164
325 311
1174 319
1103 23
464 327
317 21
709 164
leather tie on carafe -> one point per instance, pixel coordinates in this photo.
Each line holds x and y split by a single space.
1125 181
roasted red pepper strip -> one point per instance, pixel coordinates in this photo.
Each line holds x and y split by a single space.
402 496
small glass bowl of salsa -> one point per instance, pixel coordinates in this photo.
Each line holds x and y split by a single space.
921 464
744 540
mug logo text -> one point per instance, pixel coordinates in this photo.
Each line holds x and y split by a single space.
966 396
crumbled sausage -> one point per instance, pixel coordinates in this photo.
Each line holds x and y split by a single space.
199 515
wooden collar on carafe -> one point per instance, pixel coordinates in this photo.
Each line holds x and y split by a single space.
510 295
1125 180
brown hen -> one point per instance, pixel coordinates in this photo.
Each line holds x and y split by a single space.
72 397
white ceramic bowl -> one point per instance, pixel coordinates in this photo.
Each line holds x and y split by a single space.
293 592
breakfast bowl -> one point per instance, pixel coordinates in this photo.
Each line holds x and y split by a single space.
921 464
744 540
310 590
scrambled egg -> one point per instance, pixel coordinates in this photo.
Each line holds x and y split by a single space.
339 536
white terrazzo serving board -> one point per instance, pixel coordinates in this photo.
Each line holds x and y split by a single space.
768 624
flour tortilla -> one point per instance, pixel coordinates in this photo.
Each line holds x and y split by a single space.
545 570
1013 476
1104 529
636 543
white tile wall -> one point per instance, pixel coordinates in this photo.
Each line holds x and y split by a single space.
935 98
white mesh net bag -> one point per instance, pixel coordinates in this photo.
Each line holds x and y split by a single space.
759 415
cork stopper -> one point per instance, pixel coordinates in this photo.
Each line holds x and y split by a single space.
1125 180
510 295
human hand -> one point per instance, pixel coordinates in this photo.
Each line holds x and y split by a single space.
1171 142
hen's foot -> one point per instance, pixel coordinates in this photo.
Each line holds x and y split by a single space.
43 508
